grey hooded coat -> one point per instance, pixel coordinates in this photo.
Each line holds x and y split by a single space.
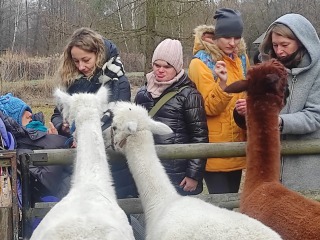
301 114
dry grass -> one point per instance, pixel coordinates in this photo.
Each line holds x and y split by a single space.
17 67
30 91
21 67
32 79
38 93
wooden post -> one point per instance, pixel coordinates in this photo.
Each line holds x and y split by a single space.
9 213
6 223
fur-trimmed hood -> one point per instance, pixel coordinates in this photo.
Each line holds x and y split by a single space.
199 44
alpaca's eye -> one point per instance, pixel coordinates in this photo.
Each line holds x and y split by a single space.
114 128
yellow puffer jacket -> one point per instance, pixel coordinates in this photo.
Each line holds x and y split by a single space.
219 105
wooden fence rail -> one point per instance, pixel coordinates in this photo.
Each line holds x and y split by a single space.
176 151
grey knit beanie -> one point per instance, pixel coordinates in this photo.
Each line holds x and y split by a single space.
229 23
169 50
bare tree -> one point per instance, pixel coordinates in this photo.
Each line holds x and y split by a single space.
16 22
151 10
42 26
27 23
121 24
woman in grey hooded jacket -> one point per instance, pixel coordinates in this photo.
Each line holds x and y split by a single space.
293 40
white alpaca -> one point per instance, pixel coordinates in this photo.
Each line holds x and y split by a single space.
168 215
90 209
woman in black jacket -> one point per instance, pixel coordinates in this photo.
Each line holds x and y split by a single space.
184 113
88 62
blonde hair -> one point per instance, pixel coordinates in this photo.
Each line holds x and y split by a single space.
266 47
212 48
87 40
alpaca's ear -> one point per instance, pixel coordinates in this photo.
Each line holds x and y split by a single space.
237 87
62 98
159 127
103 95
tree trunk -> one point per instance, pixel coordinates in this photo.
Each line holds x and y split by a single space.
27 25
16 24
151 9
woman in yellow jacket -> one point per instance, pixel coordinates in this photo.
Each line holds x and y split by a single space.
217 63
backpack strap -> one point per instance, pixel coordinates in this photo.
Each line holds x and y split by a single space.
163 100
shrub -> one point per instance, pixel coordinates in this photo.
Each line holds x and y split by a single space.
133 62
32 78
16 67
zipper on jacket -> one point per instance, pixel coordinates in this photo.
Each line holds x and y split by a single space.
293 80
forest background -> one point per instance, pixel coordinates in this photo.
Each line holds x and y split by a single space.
34 32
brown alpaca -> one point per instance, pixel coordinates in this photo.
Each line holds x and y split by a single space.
264 198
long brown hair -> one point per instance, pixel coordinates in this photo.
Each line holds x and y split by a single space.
87 40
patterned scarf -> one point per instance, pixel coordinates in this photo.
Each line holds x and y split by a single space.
111 70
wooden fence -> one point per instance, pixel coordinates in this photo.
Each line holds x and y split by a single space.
9 212
132 206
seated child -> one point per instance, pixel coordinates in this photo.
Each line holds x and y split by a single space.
30 133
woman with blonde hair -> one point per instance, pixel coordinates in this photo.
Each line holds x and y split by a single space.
219 61
90 61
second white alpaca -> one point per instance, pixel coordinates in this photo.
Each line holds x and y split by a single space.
90 209
168 215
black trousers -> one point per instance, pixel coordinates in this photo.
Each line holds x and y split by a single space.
223 182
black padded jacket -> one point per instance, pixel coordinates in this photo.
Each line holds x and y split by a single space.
120 91
185 115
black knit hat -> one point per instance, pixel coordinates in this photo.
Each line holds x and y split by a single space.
229 23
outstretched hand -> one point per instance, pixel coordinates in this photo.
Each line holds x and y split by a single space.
52 129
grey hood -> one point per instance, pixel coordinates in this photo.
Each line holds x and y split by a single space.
306 34
301 114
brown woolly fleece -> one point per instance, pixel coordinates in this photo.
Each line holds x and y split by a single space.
264 198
